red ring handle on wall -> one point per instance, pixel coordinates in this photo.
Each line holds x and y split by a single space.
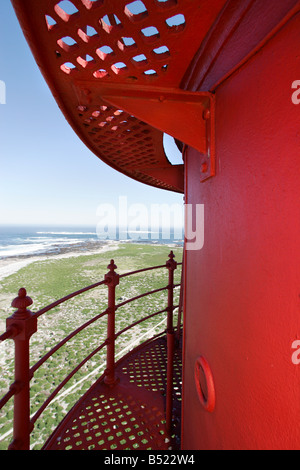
207 399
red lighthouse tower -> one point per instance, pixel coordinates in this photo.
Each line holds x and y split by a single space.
222 77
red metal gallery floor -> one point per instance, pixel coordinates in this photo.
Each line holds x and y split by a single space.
131 414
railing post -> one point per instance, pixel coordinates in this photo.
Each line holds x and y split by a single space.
181 300
111 280
171 266
23 323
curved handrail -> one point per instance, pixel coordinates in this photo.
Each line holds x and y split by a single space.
12 332
8 395
140 321
140 296
138 271
65 381
68 297
7 335
65 340
86 289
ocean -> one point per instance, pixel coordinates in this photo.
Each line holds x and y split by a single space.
22 242
29 241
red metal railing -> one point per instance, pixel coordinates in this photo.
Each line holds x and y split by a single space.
23 324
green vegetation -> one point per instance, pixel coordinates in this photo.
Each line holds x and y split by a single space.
47 281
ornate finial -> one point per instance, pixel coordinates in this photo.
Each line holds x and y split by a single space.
112 265
171 264
22 301
112 277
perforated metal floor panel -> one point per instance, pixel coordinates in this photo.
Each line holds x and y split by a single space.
130 415
93 53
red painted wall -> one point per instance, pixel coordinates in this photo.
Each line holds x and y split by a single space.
242 306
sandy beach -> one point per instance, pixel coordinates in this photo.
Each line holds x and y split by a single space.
12 264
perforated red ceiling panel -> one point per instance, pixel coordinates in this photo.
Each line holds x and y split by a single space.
84 47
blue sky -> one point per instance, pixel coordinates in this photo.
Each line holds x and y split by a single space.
47 175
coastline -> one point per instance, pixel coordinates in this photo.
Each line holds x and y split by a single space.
13 264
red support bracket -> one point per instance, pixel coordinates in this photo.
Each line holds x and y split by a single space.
187 116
